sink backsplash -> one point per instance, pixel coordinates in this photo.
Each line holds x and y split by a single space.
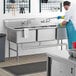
34 22
14 23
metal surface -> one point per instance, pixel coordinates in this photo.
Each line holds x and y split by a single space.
63 58
46 34
61 33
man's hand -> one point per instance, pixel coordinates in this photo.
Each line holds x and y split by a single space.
64 23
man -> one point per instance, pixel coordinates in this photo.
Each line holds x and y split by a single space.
67 6
70 23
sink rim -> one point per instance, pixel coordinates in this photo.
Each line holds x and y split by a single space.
35 27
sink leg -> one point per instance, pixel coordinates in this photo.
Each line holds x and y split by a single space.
9 48
61 44
57 41
17 54
66 47
39 43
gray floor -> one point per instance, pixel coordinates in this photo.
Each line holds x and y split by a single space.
23 60
25 69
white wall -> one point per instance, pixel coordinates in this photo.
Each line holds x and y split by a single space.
34 13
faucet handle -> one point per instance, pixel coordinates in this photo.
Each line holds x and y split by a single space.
47 20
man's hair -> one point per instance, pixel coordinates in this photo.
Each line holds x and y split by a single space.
66 3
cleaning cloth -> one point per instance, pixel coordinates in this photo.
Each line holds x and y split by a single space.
26 33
